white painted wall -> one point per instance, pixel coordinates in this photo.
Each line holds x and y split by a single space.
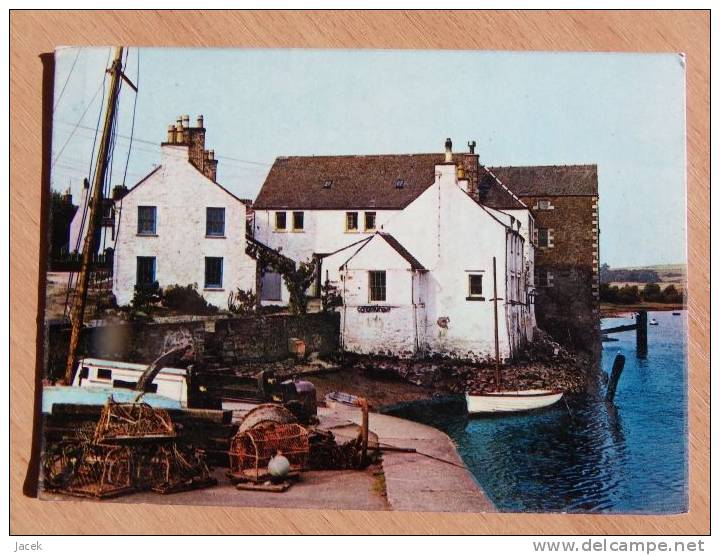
181 194
398 331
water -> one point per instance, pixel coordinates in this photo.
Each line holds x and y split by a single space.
630 458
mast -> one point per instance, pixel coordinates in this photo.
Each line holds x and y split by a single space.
497 341
78 309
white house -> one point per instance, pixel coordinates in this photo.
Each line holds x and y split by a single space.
104 233
409 248
179 226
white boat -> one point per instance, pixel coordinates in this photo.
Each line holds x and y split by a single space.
653 322
511 401
106 374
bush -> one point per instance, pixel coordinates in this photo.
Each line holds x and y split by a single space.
187 300
330 297
297 281
242 302
146 296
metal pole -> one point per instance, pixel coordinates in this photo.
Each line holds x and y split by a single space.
497 340
78 311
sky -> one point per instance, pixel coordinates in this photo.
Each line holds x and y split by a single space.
623 112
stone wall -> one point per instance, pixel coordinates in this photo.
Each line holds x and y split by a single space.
224 342
568 306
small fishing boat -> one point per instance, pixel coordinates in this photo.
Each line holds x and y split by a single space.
511 401
676 313
653 322
507 400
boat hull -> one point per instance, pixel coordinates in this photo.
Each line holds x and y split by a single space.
511 401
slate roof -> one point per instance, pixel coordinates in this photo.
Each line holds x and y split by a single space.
495 194
530 181
358 182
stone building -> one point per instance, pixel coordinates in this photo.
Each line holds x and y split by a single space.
564 202
178 225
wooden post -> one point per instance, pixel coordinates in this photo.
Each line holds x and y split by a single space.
617 369
78 310
497 340
641 333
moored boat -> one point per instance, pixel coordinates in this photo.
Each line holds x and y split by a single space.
511 401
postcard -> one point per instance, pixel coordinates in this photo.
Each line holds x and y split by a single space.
380 280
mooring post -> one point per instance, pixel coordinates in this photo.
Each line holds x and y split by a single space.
617 369
641 333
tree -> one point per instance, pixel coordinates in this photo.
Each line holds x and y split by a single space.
297 281
628 295
651 293
672 295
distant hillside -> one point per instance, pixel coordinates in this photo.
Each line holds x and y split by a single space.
660 273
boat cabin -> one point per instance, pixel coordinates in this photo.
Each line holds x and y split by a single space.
100 373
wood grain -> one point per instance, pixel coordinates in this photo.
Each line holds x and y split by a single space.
35 32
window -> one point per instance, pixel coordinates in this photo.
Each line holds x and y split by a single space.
147 219
298 221
280 221
543 237
400 184
104 374
475 285
351 221
543 278
377 286
213 272
327 184
215 222
145 270
543 204
84 373
369 221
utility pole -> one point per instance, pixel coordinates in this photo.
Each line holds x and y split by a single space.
80 297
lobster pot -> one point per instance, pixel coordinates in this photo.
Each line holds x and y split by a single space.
122 421
172 467
251 451
99 471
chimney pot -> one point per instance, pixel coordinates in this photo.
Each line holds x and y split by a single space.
200 121
211 155
471 146
171 134
448 150
186 120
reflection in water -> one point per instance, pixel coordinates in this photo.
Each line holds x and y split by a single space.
588 456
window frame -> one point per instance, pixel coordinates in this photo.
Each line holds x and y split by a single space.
294 220
471 295
213 286
374 220
138 259
208 221
284 215
377 288
540 231
140 230
347 222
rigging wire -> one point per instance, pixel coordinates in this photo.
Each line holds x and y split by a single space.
67 79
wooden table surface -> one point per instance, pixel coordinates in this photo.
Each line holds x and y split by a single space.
35 32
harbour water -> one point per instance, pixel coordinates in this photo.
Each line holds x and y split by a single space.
584 455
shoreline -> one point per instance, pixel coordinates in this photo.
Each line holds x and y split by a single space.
608 310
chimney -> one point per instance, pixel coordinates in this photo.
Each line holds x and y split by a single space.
186 121
471 146
448 151
171 134
200 121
